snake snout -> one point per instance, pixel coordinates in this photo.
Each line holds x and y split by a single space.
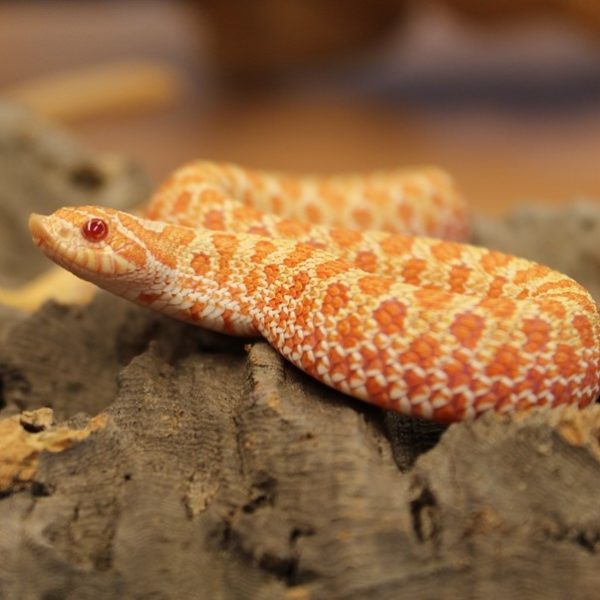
38 228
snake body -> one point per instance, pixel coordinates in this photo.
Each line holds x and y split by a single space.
438 329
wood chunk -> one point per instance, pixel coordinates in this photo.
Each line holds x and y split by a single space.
220 472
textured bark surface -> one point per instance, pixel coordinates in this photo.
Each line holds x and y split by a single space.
217 470
177 463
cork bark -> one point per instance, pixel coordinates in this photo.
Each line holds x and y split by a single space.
144 458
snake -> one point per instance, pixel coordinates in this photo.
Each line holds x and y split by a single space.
364 281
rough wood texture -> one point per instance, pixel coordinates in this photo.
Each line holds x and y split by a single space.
224 472
178 463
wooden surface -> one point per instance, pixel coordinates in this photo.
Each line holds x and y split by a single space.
499 156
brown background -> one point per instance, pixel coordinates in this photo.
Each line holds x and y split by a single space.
340 116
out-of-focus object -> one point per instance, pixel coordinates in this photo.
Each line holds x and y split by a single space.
262 37
582 12
55 283
99 90
42 168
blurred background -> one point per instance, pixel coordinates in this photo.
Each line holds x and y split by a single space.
504 94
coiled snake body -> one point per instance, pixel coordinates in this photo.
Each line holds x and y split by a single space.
406 321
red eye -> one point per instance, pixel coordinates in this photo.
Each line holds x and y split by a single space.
95 230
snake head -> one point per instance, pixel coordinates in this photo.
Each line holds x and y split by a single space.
91 242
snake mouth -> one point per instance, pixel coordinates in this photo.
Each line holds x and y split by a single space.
38 229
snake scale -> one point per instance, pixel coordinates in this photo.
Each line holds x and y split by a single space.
347 277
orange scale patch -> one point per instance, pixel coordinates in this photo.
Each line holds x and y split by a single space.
313 213
160 244
227 318
537 332
212 195
373 285
350 331
374 388
336 357
195 311
500 390
459 275
362 217
500 308
560 394
345 238
298 255
496 287
226 246
331 268
592 379
526 386
414 381
201 263
390 316
290 187
405 213
375 364
423 351
242 212
437 199
277 204
307 363
262 249
585 331
467 328
292 229
534 380
340 371
552 286
366 261
458 375
582 299
530 273
252 281
255 180
433 300
412 270
214 220
450 412
182 203
506 361
491 261
336 297
397 244
299 281
431 224
552 307
259 230
565 360
272 273
376 196
332 196
133 253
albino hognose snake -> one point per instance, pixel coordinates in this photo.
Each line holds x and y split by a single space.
437 329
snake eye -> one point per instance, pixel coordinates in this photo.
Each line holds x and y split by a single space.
95 230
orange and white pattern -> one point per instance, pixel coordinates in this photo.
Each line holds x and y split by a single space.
432 328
